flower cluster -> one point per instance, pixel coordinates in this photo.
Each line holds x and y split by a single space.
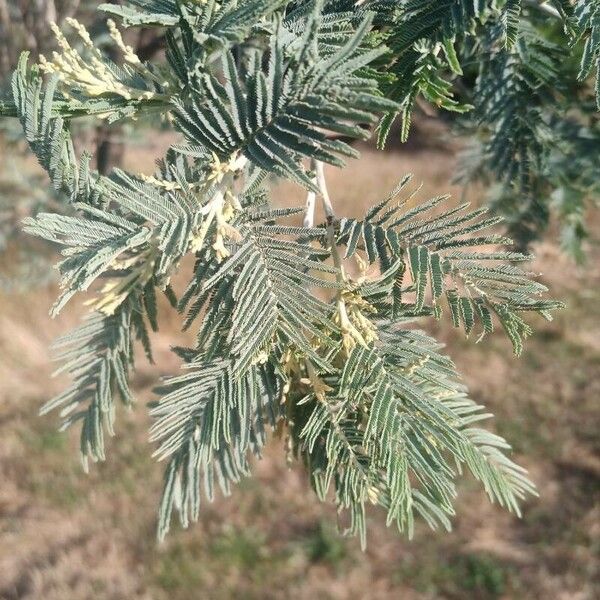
92 75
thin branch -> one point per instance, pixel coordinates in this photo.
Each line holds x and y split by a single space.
349 331
319 169
309 211
311 201
322 184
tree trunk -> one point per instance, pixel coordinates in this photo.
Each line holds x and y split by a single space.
109 148
6 41
37 16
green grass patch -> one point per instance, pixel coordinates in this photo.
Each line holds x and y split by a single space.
325 545
480 576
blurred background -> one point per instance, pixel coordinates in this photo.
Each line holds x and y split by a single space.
69 536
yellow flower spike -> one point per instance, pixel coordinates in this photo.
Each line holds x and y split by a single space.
362 267
320 388
235 201
228 211
261 358
356 328
373 494
81 30
115 292
216 170
60 38
219 168
45 66
169 186
219 247
74 72
198 238
128 53
348 343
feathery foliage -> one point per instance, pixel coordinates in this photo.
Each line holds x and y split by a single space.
288 342
587 15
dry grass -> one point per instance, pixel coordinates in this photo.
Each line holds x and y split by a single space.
67 536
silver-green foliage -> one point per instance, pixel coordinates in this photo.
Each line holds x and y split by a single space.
288 341
514 69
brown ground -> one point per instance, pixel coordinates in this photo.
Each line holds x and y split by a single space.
67 536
